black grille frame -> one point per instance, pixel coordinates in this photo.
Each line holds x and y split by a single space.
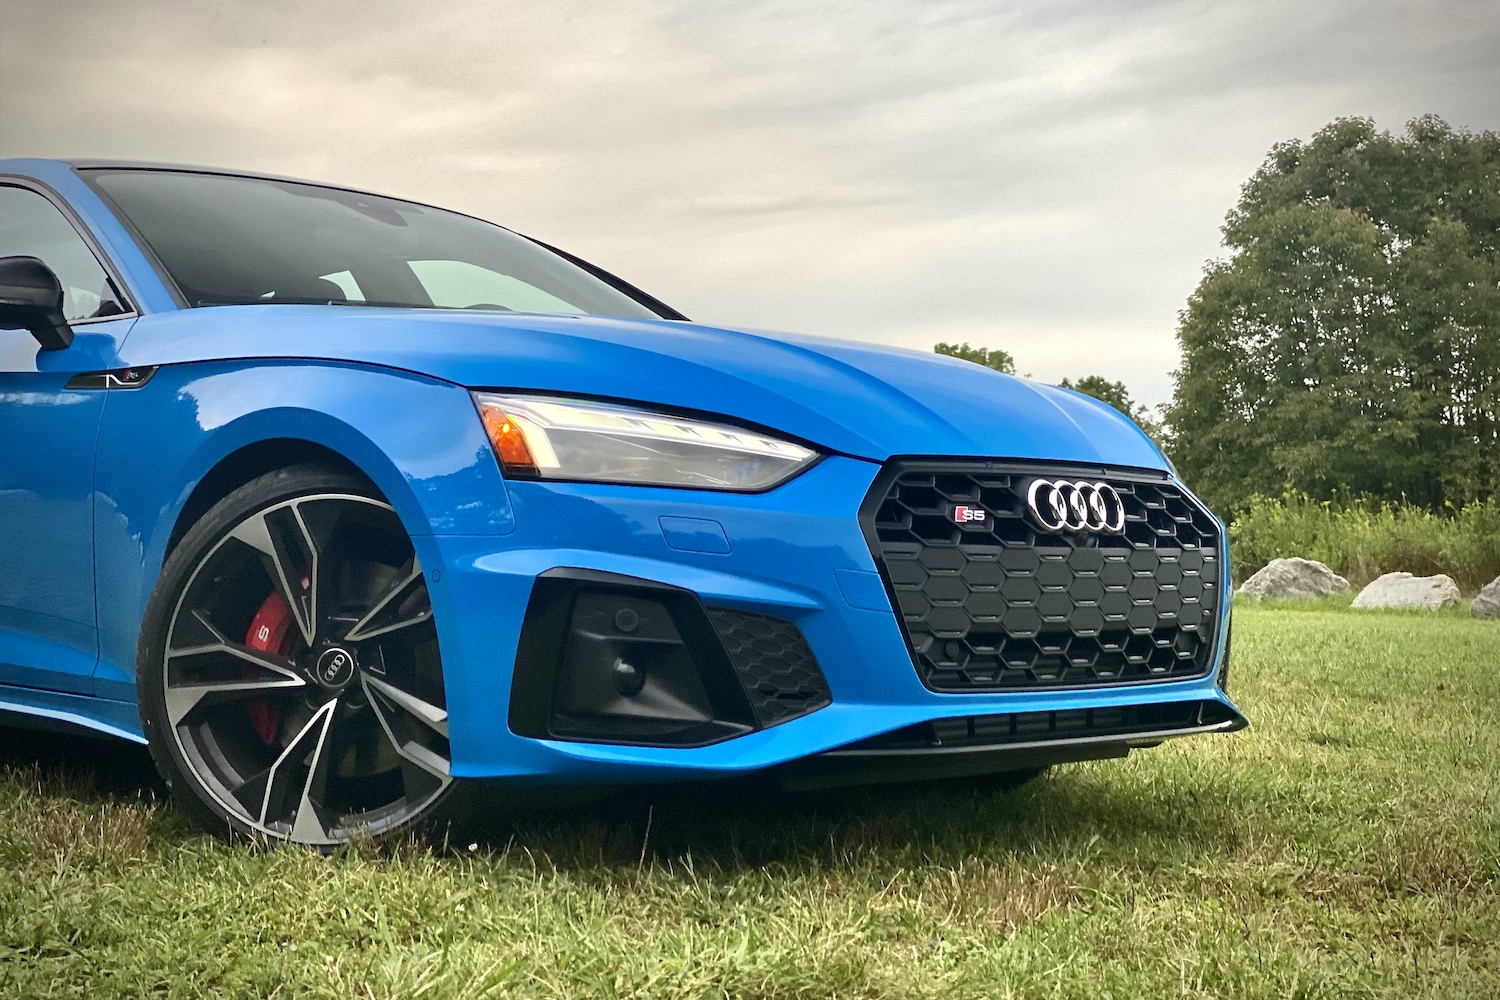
1003 605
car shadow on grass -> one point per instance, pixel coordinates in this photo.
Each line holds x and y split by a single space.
89 766
1072 811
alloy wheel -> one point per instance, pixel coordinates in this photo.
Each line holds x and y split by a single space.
301 676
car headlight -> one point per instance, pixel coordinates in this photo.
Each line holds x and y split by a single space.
548 437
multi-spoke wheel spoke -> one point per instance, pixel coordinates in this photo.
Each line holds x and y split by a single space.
292 559
184 699
293 778
397 710
329 716
430 715
403 604
187 690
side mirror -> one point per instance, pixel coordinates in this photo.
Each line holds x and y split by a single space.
32 297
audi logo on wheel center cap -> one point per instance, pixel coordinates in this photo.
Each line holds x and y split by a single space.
335 668
1059 505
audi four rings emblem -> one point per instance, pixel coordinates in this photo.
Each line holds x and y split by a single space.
1059 506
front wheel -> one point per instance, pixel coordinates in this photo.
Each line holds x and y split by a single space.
289 677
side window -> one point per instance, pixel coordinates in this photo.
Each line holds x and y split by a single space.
31 226
462 285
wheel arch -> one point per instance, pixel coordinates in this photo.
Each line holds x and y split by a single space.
250 462
262 441
169 450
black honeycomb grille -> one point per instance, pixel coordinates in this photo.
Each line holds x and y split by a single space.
1001 604
777 669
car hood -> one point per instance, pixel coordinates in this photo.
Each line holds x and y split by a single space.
856 399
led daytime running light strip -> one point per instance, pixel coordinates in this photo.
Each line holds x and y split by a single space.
540 414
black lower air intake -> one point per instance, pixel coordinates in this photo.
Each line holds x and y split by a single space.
614 659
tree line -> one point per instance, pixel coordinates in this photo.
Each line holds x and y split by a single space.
1349 342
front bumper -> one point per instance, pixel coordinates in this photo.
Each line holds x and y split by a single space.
795 553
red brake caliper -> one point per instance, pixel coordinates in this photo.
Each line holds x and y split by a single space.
270 632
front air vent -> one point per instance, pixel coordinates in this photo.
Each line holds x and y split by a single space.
605 658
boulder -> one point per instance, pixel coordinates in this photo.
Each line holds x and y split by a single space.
1294 580
1415 593
1487 604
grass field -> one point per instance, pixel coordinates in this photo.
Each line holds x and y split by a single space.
1347 845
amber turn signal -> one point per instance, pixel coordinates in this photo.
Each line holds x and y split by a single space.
508 440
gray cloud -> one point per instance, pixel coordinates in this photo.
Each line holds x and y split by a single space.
1048 178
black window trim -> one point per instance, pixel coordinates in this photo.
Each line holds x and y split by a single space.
106 264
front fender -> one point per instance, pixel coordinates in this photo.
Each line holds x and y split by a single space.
419 440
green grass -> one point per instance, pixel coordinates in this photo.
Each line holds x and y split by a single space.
1348 845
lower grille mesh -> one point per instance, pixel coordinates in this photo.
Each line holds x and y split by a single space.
1123 721
777 669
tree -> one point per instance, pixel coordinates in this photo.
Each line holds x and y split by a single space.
1351 340
1102 389
1116 395
990 357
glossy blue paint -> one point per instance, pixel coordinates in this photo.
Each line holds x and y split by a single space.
694 534
855 399
70 712
48 633
862 589
94 483
427 454
790 548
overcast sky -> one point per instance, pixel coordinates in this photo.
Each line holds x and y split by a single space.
1044 177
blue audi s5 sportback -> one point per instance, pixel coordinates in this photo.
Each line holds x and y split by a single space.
345 505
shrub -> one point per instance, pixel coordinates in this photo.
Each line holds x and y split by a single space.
1361 539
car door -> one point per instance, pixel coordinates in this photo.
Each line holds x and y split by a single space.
48 432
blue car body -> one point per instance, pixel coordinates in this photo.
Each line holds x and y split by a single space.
95 487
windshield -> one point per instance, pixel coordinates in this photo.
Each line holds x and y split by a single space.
235 240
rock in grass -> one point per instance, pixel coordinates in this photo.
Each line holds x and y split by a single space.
1294 580
1487 604
1415 593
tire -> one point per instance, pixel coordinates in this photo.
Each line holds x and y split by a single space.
289 677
